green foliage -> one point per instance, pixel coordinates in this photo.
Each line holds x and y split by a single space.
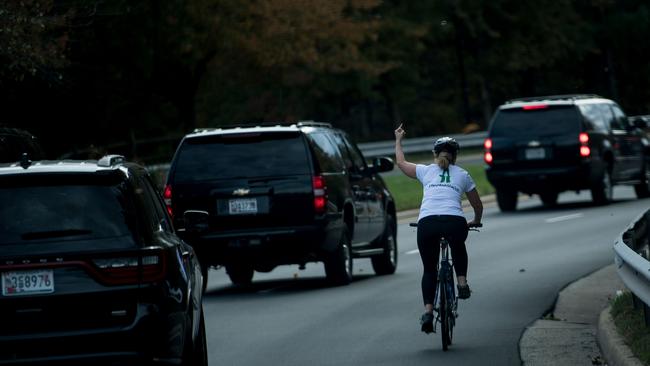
141 71
33 38
631 325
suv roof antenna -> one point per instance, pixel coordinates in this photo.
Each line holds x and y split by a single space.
110 160
314 124
24 161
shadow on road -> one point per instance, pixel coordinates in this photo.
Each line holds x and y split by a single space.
279 287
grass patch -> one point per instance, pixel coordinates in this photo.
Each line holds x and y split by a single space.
408 191
631 326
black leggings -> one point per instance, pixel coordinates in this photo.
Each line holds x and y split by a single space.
430 229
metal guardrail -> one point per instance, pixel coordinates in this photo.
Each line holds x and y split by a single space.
632 252
419 144
379 148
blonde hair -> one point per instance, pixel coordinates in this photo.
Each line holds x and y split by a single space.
444 159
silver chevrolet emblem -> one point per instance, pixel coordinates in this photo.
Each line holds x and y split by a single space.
534 143
241 191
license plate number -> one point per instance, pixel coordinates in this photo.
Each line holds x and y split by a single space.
242 206
537 153
18 283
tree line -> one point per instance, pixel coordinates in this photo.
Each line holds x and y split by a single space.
133 76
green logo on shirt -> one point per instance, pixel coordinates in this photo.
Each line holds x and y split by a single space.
444 177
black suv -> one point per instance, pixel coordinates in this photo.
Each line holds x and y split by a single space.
91 269
253 198
546 145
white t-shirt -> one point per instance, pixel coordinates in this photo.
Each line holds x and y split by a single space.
443 190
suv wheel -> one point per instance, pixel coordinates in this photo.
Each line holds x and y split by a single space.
602 192
204 272
240 274
643 189
549 198
386 263
506 199
196 353
338 265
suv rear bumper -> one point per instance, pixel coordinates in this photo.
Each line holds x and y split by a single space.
268 247
533 181
152 338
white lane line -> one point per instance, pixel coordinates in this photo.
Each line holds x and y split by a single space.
415 251
564 218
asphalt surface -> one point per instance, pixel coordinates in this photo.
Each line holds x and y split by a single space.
519 263
579 329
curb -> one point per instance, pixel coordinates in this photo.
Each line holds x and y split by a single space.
615 351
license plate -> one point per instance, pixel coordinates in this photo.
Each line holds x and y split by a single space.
27 282
537 153
242 206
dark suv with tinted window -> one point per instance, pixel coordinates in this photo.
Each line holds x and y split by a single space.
547 145
91 269
253 198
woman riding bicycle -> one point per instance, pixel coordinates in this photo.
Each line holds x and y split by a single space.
441 214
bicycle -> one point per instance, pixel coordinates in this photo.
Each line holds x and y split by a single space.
446 299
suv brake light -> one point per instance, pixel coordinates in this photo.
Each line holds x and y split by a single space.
125 270
167 195
533 107
320 194
487 144
585 151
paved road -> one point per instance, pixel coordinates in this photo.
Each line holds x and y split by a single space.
518 263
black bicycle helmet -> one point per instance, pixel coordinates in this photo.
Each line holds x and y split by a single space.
448 144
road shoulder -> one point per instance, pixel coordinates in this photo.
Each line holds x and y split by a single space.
569 335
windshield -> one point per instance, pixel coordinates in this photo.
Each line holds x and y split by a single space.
250 155
547 122
62 212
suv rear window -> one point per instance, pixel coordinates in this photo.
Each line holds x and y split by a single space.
63 212
549 121
248 155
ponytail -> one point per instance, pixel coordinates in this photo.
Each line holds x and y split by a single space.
444 159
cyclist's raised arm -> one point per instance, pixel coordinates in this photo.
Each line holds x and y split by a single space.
407 167
475 200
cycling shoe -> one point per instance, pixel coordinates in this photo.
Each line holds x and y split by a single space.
427 323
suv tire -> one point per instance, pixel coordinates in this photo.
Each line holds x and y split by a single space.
506 199
338 264
240 274
602 192
549 198
205 270
196 353
386 263
642 189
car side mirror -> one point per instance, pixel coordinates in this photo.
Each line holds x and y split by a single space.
640 123
196 221
383 164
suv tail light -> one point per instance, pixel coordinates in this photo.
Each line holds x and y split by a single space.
585 151
533 107
487 144
167 195
320 194
125 269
